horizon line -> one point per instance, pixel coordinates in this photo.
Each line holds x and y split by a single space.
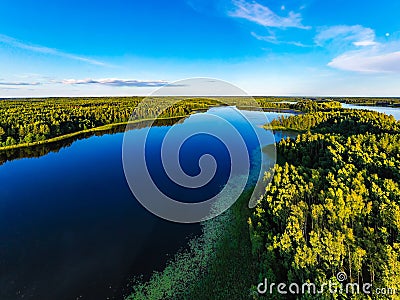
203 96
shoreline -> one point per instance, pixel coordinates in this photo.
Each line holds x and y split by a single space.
271 109
81 132
282 128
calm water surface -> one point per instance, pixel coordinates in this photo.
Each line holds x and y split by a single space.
395 112
70 227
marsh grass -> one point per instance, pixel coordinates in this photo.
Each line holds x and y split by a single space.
217 265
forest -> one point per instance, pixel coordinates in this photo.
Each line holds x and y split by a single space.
333 204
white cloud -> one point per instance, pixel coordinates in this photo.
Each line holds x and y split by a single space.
365 43
378 59
267 38
363 53
356 35
18 83
264 16
117 82
45 50
274 40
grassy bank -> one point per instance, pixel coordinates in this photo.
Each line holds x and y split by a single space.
232 272
218 264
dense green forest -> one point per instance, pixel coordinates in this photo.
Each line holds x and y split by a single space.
333 204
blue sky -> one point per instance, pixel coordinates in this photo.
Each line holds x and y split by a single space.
288 47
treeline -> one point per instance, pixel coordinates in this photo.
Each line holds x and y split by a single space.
312 106
382 101
302 105
294 103
333 205
378 101
30 120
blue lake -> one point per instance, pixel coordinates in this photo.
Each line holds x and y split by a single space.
70 227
